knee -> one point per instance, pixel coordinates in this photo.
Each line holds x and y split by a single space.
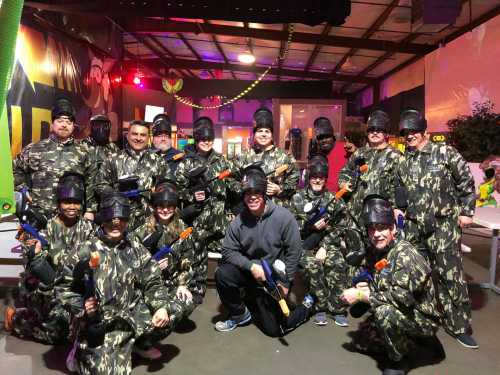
224 274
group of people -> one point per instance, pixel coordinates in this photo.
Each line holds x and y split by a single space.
121 252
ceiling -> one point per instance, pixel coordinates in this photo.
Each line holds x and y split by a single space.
377 38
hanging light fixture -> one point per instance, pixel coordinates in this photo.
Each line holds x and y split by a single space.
246 58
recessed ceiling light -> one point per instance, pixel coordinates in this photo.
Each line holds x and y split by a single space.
246 58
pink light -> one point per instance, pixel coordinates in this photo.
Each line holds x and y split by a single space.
141 85
137 80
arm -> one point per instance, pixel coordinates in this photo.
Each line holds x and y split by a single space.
106 178
231 248
464 182
349 169
21 170
292 247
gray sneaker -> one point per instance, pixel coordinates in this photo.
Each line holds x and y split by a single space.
320 319
233 322
341 320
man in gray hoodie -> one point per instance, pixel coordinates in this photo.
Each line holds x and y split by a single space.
263 231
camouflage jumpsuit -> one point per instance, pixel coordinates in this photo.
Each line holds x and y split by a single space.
271 159
146 164
440 187
98 154
40 165
178 271
402 298
379 179
328 279
211 223
43 316
129 289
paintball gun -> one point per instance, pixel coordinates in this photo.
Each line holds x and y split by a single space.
129 186
358 309
163 251
401 200
84 272
272 286
361 168
31 222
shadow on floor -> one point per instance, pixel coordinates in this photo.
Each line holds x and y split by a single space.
168 351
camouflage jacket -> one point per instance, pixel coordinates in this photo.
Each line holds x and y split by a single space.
169 158
271 159
438 182
213 217
178 271
405 282
147 165
63 240
379 179
40 165
125 278
341 226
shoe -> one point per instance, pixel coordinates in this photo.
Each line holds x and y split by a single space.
395 367
320 319
341 320
467 341
8 322
308 301
151 353
232 323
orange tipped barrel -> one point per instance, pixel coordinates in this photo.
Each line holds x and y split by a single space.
95 259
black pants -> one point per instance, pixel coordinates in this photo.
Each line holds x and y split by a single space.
266 313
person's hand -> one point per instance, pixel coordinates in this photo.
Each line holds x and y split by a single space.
353 295
258 272
283 290
464 221
163 263
160 318
321 254
320 224
184 294
91 305
89 216
273 189
365 289
199 196
345 185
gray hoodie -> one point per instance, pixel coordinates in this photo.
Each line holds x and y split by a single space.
274 235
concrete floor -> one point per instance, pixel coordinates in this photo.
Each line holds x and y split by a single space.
198 349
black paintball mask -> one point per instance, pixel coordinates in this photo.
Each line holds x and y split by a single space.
263 118
63 107
377 210
379 121
203 130
100 129
165 194
71 187
411 121
162 125
324 136
113 205
254 181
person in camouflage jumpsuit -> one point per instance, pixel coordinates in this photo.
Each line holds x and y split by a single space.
440 200
43 316
40 165
399 292
100 148
126 303
324 242
280 188
381 161
163 229
204 202
162 141
136 159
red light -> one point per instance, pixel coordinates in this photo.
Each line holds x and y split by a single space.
117 79
137 80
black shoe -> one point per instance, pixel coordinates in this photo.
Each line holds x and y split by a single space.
467 341
395 367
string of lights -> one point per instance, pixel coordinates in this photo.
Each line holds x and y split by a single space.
282 56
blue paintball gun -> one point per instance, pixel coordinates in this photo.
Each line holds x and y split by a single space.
163 251
272 286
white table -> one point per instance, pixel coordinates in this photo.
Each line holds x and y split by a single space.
489 217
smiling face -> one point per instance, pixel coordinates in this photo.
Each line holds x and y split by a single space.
63 127
164 212
70 209
381 235
115 228
376 137
317 183
263 137
255 203
415 139
138 137
162 141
